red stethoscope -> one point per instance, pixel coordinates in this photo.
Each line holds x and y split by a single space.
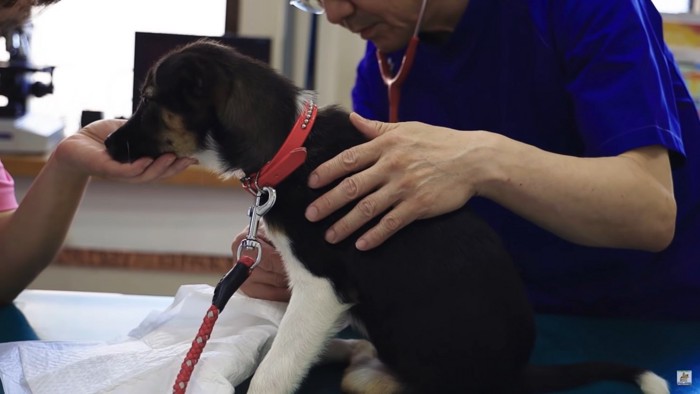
394 82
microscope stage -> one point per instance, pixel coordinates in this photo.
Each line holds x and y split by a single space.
31 133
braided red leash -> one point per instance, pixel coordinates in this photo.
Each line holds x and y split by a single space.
195 351
223 292
291 155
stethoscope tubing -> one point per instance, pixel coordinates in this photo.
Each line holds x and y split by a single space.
394 82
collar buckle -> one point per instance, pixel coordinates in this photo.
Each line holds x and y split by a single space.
256 213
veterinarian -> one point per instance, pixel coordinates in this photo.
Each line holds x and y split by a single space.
581 151
32 232
566 125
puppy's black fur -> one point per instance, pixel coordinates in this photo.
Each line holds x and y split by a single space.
440 300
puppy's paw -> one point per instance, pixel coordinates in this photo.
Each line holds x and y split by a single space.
342 350
366 374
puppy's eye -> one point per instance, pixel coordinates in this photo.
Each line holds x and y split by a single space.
145 99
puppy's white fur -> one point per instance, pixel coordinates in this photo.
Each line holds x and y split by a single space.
313 316
209 158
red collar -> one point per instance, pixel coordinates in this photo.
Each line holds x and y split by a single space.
288 158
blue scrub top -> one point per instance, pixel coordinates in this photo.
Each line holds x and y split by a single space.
583 78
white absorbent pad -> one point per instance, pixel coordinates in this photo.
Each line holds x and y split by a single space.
148 359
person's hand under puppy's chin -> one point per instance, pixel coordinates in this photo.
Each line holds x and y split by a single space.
83 154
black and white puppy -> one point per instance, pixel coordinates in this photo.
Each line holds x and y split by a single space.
440 301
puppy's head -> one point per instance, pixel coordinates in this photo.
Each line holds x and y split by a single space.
208 101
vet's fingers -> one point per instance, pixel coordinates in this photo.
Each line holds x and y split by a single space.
350 160
371 128
236 243
270 262
390 223
265 292
261 235
268 277
364 211
348 190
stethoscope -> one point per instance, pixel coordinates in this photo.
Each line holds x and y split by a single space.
394 82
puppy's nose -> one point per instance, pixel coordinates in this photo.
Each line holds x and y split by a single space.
117 145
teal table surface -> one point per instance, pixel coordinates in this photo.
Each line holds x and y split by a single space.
666 348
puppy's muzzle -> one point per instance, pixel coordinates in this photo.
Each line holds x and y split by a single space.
129 143
118 147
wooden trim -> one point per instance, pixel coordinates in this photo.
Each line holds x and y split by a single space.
195 175
232 17
130 260
23 165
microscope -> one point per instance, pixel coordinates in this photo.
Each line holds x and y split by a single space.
22 131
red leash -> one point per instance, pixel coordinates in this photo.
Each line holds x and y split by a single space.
192 357
290 156
223 292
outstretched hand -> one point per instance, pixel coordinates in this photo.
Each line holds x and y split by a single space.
84 153
407 171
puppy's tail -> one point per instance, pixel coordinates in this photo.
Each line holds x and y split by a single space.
549 378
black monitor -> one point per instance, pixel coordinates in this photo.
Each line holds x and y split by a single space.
149 47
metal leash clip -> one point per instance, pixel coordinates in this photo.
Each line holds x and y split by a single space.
256 213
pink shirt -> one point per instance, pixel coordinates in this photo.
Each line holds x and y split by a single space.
7 190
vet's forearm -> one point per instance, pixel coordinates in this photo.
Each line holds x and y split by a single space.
624 202
35 232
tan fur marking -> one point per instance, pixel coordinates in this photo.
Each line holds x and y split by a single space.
176 138
148 91
366 374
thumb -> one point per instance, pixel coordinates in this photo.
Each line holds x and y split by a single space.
100 129
370 128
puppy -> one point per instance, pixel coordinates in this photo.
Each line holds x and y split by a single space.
440 301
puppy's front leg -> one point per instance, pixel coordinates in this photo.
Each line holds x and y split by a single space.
311 318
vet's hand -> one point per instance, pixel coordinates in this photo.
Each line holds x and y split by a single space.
84 154
268 281
407 171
